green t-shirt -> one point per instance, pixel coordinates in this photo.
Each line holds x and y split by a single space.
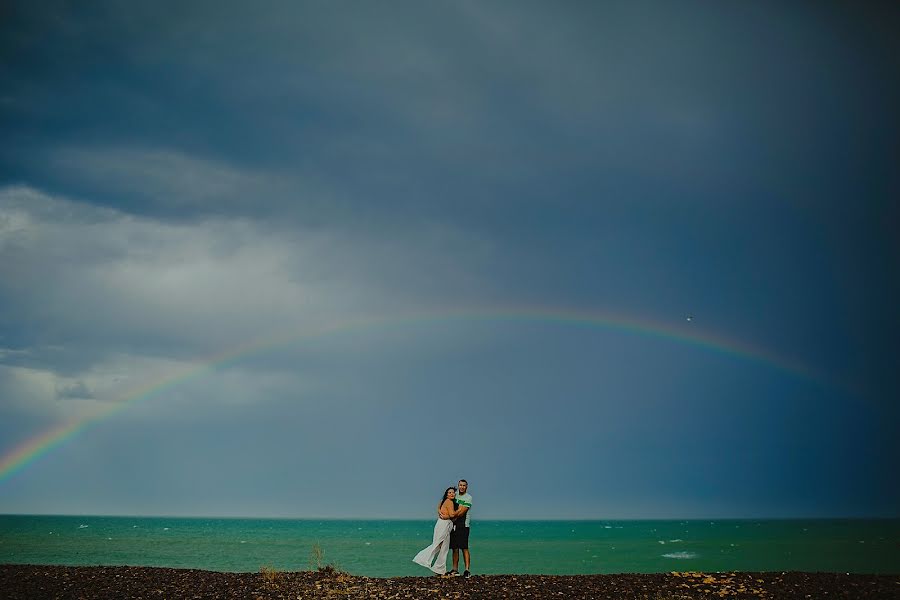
465 500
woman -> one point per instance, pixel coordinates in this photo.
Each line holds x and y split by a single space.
434 556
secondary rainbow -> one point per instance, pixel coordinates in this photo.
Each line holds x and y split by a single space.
19 457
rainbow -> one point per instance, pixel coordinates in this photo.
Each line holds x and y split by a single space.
26 453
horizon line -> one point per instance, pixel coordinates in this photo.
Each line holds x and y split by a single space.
480 520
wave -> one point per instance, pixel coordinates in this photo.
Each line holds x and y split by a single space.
680 555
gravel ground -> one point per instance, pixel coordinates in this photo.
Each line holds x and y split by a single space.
37 581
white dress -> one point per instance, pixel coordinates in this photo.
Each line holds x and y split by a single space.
434 557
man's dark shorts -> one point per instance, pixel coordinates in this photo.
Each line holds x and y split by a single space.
459 537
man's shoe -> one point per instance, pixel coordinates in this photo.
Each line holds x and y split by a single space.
466 573
453 573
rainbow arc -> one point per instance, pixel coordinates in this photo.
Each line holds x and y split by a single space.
20 457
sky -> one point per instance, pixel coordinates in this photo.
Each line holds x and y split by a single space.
307 259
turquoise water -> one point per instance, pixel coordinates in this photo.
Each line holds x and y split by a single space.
386 548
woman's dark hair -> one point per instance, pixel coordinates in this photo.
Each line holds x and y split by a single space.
445 496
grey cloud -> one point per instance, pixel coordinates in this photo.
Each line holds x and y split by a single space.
83 284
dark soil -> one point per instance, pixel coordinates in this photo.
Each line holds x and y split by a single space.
36 581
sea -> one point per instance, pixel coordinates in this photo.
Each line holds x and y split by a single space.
384 548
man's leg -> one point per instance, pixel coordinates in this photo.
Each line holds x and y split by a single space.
465 557
456 559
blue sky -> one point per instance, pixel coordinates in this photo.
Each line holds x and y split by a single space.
179 181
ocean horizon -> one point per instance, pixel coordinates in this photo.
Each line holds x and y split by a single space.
385 547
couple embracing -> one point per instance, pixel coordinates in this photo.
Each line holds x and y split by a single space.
451 532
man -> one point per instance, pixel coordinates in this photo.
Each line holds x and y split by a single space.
459 537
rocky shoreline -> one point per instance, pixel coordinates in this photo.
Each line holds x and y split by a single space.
44 581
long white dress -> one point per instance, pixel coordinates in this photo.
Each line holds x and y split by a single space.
434 557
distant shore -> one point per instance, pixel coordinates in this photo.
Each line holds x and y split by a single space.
46 581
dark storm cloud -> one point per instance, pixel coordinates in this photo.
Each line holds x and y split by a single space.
443 109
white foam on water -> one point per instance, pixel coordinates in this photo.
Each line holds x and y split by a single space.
607 527
243 541
165 528
83 526
368 543
678 540
680 555
661 541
